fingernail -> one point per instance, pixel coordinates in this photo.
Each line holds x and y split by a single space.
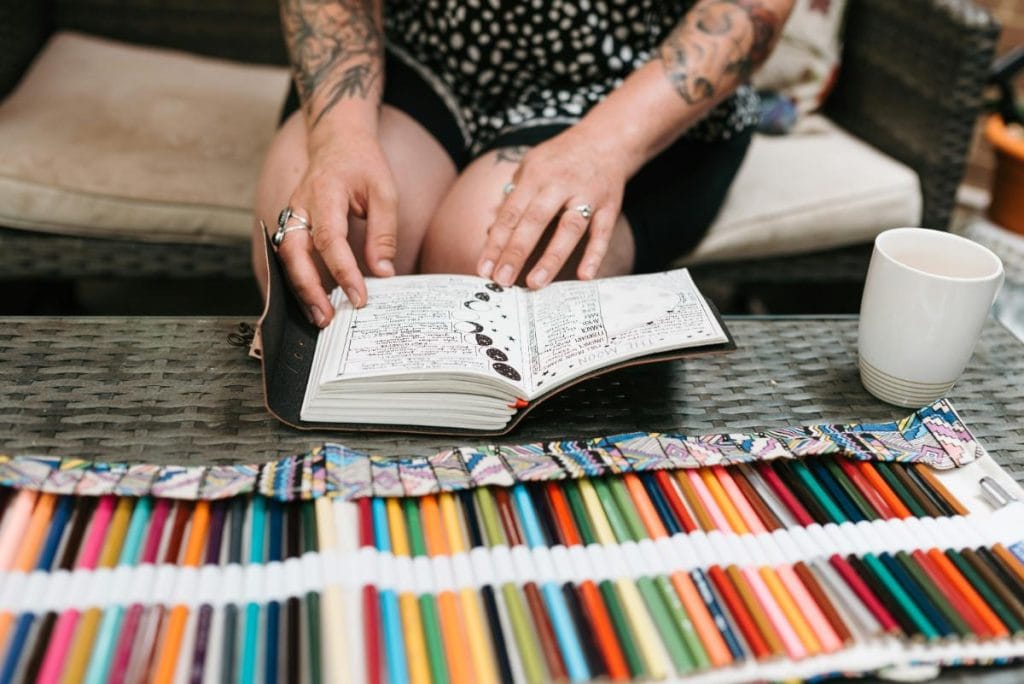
589 271
353 296
486 268
540 277
318 316
505 275
385 267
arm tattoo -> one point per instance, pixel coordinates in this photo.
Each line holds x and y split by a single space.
718 39
513 154
336 49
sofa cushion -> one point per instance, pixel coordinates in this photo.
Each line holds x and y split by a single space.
807 192
803 65
106 139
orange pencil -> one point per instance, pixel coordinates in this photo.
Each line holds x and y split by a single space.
453 628
484 665
991 620
689 595
883 488
167 660
31 542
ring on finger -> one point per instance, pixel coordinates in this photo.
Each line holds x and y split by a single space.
287 221
507 188
584 210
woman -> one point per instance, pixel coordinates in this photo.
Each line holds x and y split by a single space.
518 140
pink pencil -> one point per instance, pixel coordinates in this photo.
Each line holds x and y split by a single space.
123 652
15 519
60 642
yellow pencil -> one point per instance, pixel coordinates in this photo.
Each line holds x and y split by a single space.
412 623
484 667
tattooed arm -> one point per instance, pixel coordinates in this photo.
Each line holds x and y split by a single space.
716 47
336 49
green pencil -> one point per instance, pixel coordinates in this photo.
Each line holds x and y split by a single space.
526 640
312 597
428 603
634 661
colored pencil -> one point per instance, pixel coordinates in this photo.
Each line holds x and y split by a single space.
236 537
204 629
170 647
103 651
337 664
257 554
391 615
314 637
47 554
63 632
430 618
475 629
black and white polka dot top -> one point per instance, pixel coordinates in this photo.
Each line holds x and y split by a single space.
501 65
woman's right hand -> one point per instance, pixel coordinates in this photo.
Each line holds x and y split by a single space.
347 176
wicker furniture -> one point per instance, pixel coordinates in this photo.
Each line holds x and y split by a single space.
175 390
910 85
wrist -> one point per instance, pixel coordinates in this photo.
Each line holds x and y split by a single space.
345 122
615 139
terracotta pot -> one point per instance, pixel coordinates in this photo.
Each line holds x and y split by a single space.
1007 208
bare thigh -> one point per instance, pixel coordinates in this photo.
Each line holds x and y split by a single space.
423 172
458 231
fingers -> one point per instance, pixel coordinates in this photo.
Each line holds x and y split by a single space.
516 232
570 230
601 227
382 230
295 254
330 239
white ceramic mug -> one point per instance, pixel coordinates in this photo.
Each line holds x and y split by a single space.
926 298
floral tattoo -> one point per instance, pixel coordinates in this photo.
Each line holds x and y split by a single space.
336 49
718 39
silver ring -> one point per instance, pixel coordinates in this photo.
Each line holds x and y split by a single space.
507 188
283 228
584 210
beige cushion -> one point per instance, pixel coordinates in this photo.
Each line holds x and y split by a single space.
803 64
111 140
808 192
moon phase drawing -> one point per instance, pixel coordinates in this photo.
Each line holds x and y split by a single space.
507 370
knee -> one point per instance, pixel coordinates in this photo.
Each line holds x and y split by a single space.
452 243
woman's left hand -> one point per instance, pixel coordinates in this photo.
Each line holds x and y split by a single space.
558 182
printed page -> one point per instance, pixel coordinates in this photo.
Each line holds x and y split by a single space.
579 326
426 324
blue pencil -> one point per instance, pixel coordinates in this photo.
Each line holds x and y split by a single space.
247 671
390 617
561 619
110 626
45 560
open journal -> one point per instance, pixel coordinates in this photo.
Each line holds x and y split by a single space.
463 353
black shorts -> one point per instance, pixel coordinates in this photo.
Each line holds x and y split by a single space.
670 203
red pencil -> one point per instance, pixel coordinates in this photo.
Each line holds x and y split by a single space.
785 495
675 501
371 602
865 594
744 620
